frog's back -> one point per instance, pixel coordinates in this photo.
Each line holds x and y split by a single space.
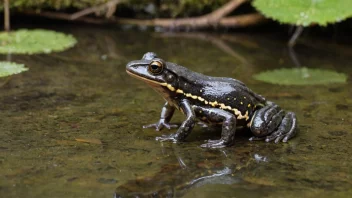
219 92
235 97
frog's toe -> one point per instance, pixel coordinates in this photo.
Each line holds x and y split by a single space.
215 144
155 125
254 138
164 138
277 136
170 126
160 125
214 141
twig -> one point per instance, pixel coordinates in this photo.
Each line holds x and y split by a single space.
293 56
6 16
110 6
64 16
295 35
223 11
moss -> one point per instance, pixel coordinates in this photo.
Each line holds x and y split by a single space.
54 4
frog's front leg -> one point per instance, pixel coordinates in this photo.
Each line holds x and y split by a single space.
187 125
166 114
228 121
271 123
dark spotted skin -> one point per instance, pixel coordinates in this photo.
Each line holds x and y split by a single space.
214 100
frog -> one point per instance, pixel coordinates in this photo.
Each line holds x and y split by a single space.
222 101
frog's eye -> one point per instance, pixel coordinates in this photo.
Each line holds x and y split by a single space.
156 67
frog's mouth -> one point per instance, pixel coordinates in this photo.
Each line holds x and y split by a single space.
147 80
159 86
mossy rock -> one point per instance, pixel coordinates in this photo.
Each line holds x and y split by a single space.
301 76
34 41
10 68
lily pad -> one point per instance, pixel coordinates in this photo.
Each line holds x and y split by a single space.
301 76
34 41
305 12
10 68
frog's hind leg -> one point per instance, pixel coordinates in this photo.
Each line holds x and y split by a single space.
271 123
227 120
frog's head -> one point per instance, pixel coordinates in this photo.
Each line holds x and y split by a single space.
154 71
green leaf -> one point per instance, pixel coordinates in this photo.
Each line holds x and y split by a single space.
301 76
305 12
10 68
34 41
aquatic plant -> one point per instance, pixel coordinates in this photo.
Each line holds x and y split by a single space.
34 41
305 12
301 76
10 68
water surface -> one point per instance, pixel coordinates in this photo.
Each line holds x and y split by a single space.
84 93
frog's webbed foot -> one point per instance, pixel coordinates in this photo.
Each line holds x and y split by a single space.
271 123
160 125
286 130
228 121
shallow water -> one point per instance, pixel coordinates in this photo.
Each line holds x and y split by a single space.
84 93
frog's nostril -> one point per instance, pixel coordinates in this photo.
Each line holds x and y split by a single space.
130 64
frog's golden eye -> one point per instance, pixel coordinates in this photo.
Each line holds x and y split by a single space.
156 67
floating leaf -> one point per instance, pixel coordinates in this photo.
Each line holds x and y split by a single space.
34 41
10 68
305 12
301 76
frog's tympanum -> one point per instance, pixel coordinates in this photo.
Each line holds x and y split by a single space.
213 100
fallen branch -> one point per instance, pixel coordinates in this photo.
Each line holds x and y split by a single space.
233 21
242 20
208 20
213 19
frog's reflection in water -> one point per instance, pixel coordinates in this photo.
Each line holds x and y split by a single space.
187 167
